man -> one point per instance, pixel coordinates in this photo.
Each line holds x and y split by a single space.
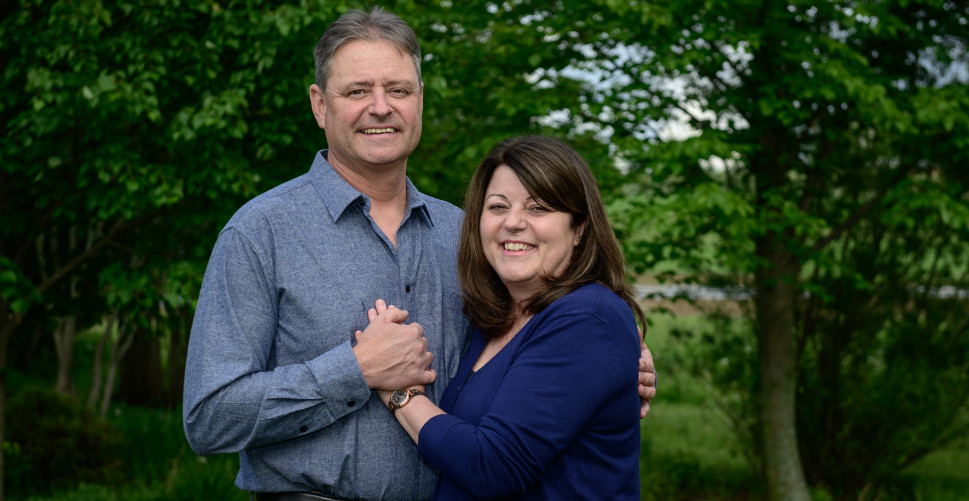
274 370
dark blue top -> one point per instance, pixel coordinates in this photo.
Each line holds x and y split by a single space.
554 415
270 371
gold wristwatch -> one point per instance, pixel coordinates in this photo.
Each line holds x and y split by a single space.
400 398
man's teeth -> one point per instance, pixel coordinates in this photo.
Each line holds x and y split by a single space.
512 246
378 131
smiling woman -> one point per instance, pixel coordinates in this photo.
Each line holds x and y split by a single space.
549 179
523 239
544 404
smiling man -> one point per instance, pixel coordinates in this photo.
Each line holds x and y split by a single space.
274 370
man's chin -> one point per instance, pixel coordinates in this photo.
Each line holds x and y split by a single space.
389 158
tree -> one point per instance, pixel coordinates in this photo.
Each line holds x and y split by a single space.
131 130
803 122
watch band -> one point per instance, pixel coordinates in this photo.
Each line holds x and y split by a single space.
401 398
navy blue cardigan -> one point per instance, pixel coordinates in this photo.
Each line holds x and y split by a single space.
554 415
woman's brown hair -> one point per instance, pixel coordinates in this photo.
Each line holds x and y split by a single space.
558 178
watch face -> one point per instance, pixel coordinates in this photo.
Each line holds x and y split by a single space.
399 397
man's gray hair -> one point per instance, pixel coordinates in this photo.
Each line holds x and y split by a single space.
375 25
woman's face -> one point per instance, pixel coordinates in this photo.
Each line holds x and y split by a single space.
522 239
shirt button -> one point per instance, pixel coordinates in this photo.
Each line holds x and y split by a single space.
351 403
302 429
407 289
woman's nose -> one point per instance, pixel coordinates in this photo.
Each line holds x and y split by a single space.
515 220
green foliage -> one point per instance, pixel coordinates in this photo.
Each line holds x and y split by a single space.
15 289
894 311
763 141
57 443
176 472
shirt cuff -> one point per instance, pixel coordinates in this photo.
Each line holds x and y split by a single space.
341 382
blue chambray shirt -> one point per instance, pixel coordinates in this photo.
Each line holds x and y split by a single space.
270 371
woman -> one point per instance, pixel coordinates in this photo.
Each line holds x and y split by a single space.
544 404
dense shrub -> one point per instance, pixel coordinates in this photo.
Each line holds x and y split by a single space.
59 444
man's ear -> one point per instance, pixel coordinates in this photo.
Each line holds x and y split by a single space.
318 103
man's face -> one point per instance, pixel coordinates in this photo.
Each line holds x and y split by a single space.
371 107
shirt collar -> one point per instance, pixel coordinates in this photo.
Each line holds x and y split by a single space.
337 194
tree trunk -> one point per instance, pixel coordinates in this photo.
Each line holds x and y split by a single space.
7 326
97 369
119 348
776 294
142 380
64 337
176 359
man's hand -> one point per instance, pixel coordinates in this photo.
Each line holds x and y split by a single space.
647 380
392 354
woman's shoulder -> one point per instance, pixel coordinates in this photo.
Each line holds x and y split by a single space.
592 298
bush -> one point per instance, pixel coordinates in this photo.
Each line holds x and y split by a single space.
57 444
884 368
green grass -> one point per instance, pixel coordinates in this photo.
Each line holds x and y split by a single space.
942 475
159 465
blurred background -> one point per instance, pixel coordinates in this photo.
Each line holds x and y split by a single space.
788 180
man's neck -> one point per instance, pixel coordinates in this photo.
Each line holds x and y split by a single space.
387 188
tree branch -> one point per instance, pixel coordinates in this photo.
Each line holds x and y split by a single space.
862 211
93 250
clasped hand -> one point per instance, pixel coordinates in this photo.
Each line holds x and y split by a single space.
392 354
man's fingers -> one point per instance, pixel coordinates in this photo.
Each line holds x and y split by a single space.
647 378
391 315
647 393
429 376
646 360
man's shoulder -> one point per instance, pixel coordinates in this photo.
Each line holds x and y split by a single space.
296 192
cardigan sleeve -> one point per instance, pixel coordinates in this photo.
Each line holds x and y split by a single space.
565 374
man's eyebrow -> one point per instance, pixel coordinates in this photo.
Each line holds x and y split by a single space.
401 83
370 83
357 83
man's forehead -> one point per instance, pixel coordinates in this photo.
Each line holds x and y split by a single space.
355 62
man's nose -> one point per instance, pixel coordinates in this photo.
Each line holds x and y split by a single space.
379 105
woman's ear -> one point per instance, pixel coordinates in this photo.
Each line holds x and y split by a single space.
577 232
